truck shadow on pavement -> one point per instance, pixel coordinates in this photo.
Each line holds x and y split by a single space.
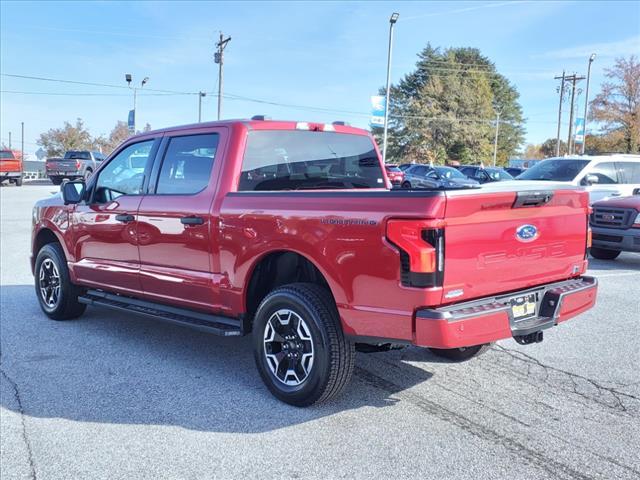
626 261
114 368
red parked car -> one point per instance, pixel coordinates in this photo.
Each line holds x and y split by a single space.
11 166
286 231
394 174
616 227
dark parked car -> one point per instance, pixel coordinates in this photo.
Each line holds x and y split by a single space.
514 171
485 174
75 164
425 176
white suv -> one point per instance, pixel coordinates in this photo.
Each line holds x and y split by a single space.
603 176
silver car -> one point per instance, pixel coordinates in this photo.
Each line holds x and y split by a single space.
425 176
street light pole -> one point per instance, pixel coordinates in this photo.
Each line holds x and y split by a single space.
22 140
200 95
387 104
495 140
128 78
559 113
586 104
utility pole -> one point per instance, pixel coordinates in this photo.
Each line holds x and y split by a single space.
387 103
219 59
9 140
200 95
559 112
495 140
22 140
586 104
573 79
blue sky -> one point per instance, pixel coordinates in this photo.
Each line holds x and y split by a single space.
329 55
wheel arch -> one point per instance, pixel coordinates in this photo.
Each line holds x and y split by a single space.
276 268
45 236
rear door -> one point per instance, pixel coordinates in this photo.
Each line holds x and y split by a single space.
105 227
175 221
492 245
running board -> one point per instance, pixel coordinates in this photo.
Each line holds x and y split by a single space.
218 325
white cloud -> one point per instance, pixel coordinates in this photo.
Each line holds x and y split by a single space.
629 46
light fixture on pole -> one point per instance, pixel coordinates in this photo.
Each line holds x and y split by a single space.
586 104
392 21
132 114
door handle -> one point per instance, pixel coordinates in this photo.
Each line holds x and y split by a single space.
192 220
125 217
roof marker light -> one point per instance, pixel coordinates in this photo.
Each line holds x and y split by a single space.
328 128
302 126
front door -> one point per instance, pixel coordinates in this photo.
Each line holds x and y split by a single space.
105 227
175 223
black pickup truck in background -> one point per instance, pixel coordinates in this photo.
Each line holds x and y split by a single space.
75 164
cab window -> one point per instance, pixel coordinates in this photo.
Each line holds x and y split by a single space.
186 167
124 174
629 172
606 173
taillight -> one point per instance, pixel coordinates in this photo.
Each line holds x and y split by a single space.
421 246
77 164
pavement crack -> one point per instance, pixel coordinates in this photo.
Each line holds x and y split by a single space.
25 437
555 468
618 400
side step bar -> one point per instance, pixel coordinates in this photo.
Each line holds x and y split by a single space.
218 325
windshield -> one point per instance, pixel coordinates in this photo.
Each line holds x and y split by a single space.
303 159
448 173
559 170
7 155
499 174
72 155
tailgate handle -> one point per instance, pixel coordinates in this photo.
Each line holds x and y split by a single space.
532 199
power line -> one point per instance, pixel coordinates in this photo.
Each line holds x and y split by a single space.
94 94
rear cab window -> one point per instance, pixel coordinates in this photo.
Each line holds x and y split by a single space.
6 155
77 155
305 160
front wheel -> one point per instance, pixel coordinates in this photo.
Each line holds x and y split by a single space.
604 254
58 297
300 350
460 354
406 185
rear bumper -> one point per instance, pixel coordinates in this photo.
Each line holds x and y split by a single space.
4 174
491 319
617 239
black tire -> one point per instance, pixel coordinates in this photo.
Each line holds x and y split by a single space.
18 182
406 185
56 180
332 357
87 175
604 254
64 305
460 354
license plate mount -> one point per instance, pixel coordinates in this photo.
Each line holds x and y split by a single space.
523 306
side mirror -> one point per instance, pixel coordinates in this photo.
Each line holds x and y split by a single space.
591 179
72 192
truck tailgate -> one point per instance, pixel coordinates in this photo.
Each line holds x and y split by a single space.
496 242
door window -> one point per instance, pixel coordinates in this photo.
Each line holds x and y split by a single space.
124 174
605 172
187 164
629 172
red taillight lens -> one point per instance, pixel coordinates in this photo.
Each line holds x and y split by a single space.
408 235
589 237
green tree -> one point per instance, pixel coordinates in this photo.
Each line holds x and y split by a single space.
548 148
446 110
617 106
118 134
56 141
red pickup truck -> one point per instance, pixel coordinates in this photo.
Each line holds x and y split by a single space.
287 231
11 166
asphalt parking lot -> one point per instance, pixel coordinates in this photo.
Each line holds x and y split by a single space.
117 396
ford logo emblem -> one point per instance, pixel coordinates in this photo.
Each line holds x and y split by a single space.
527 233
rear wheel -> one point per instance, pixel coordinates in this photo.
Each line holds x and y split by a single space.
300 350
56 180
18 182
406 185
87 174
604 254
58 297
460 354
